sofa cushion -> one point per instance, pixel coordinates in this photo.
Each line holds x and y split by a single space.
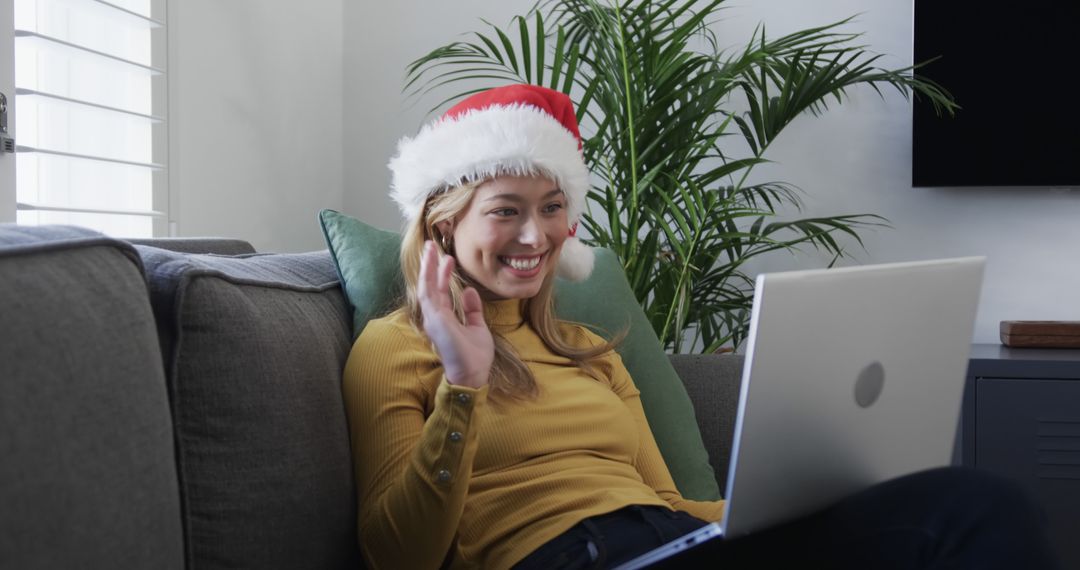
87 475
220 246
713 382
667 405
254 347
364 257
367 261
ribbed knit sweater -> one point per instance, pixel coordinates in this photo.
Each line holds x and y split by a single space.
445 473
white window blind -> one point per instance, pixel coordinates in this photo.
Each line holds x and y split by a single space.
90 89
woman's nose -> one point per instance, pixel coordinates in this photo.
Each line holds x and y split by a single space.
531 233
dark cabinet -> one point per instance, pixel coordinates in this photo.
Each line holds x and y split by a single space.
1021 419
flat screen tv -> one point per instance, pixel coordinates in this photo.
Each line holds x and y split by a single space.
1012 67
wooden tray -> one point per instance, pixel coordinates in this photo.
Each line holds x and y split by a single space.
1041 334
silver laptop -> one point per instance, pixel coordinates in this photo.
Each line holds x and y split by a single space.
852 376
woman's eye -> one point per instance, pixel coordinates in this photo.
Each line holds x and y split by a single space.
552 208
504 212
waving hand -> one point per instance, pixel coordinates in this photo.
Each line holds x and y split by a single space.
466 350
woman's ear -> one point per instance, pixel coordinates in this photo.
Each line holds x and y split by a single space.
446 235
446 228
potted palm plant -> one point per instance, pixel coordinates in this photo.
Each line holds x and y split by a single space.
674 125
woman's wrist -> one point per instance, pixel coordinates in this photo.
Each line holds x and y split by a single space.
475 381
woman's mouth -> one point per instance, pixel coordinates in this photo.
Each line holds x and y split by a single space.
522 266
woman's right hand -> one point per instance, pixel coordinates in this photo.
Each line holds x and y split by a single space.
466 350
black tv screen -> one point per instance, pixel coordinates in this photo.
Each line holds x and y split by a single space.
1012 68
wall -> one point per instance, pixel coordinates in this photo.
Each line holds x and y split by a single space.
280 110
256 107
378 47
854 159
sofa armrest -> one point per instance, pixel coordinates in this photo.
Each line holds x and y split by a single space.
713 381
219 246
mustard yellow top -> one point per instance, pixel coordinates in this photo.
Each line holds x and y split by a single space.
445 474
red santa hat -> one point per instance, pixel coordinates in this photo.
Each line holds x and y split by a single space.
517 130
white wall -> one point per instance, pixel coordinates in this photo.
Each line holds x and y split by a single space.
379 44
262 90
256 109
854 159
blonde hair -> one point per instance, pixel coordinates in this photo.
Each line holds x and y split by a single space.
509 375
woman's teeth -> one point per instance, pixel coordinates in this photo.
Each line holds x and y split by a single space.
522 264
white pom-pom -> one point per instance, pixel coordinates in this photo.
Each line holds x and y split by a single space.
576 260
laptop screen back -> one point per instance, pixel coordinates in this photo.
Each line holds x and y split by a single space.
852 376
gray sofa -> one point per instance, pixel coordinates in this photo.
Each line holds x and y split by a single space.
176 404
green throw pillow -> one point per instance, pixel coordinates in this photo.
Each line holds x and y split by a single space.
367 260
368 264
605 300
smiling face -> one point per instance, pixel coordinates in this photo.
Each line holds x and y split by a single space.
509 237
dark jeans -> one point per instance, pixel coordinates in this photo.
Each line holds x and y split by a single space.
608 540
942 518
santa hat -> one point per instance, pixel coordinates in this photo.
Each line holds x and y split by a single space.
517 130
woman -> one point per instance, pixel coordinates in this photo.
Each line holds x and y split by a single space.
487 433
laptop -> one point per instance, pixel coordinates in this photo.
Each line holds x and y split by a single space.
852 376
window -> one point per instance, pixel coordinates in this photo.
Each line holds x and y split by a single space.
90 89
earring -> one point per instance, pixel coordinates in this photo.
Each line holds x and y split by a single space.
447 241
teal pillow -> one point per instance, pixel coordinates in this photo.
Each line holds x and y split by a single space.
368 264
606 302
367 261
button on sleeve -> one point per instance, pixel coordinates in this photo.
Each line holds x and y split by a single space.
454 419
